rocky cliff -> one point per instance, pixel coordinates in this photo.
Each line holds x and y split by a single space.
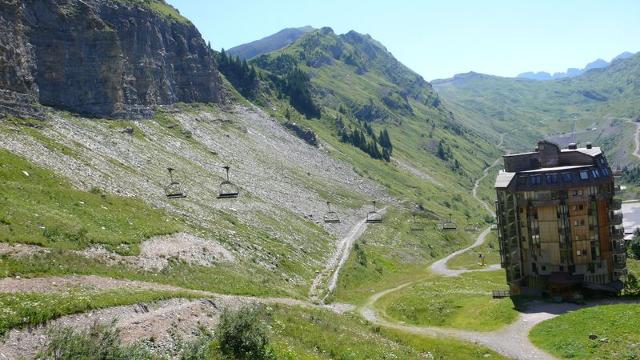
103 57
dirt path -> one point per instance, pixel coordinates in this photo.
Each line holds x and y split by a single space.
636 138
440 267
137 322
511 341
474 191
335 263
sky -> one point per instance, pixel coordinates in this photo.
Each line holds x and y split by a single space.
439 39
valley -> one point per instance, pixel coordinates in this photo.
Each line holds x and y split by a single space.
121 130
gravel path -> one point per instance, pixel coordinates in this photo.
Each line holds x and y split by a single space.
157 321
440 267
336 261
511 341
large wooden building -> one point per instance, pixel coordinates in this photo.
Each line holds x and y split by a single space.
560 226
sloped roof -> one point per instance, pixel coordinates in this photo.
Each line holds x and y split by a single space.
504 179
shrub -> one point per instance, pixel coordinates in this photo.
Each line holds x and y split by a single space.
243 334
101 342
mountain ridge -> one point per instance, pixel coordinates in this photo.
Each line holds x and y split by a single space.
273 42
573 72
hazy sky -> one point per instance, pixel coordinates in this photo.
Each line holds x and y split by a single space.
441 38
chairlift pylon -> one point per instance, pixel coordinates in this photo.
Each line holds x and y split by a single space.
174 189
374 217
331 217
228 190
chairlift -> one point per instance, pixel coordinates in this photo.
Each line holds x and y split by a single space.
449 225
471 228
331 217
228 190
174 189
374 217
417 225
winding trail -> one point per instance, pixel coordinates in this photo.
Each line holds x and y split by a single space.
440 267
512 340
156 320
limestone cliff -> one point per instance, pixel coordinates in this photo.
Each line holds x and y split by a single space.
102 57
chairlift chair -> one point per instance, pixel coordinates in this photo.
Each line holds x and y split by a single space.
416 225
174 189
228 190
374 217
331 217
449 225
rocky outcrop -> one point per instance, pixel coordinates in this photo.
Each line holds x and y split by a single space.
103 57
303 133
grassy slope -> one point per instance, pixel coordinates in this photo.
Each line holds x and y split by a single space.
387 256
458 302
527 109
44 199
30 309
37 207
314 334
567 336
337 83
470 260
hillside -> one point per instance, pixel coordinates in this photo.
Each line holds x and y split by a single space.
277 41
85 223
601 102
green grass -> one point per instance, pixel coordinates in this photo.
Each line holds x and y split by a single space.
292 333
462 302
218 278
470 259
161 8
28 309
567 336
391 253
315 334
44 209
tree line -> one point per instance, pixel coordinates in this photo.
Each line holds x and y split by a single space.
363 137
240 74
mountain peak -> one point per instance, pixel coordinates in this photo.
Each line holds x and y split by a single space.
277 41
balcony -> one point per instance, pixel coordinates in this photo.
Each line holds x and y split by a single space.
618 247
617 233
620 272
616 204
616 218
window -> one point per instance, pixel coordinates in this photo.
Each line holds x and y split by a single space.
522 180
581 207
567 177
595 173
551 178
535 180
584 175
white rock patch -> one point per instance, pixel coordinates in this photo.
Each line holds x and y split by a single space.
156 252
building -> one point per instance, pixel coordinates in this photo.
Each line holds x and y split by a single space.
559 224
